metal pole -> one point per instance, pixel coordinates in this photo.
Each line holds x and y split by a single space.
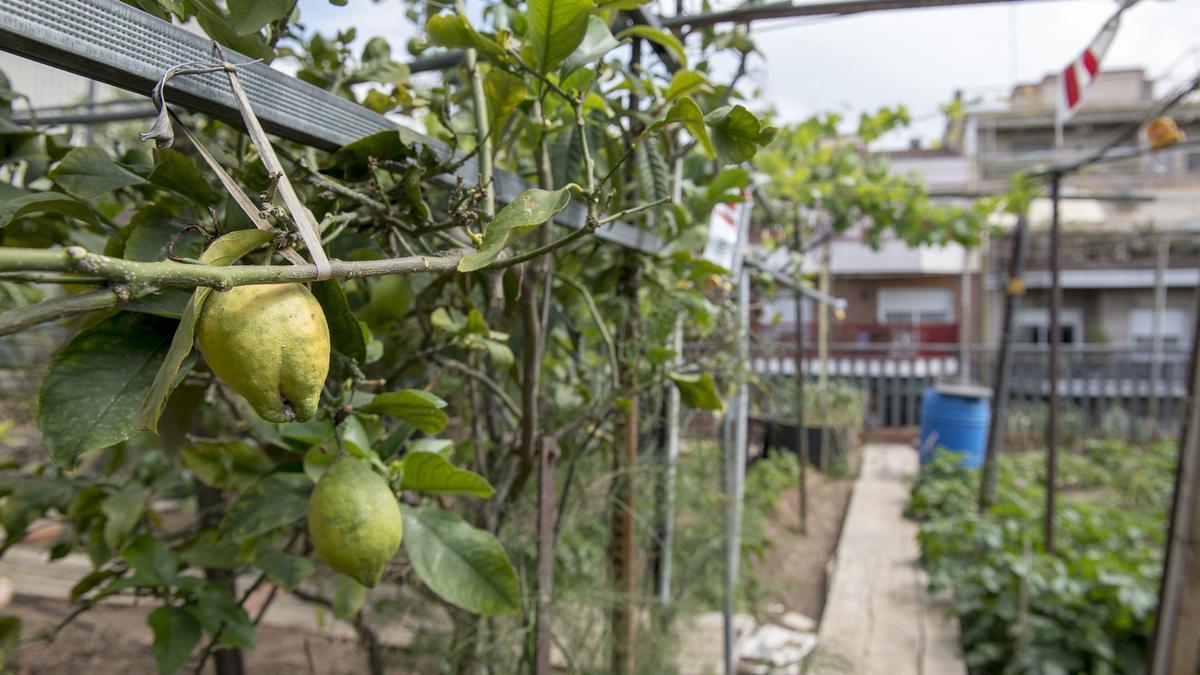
823 355
1052 369
547 516
1160 310
736 471
672 457
625 453
1174 647
964 319
801 431
1014 289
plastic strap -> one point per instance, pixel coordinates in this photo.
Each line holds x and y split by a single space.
305 223
239 196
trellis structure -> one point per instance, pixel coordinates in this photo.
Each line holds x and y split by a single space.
111 42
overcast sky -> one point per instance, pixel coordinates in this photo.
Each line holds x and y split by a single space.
914 57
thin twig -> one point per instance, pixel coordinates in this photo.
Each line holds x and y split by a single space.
598 318
17 320
483 379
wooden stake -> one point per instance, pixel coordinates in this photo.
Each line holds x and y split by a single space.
1174 647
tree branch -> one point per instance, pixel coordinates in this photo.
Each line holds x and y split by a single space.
169 273
17 320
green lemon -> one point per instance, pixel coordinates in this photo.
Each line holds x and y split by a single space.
270 343
354 522
391 300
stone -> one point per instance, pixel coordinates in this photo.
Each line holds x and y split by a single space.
797 622
775 649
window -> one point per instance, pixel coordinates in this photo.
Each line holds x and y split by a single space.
1174 327
915 305
1033 326
1193 161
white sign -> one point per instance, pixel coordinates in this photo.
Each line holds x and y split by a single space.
724 230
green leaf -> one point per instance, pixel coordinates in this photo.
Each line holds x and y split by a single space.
464 565
317 460
685 111
556 29
523 215
345 331
348 597
277 500
91 392
440 446
698 390
453 30
46 202
89 172
504 91
234 465
737 133
597 41
684 82
218 612
248 16
419 408
10 636
151 230
223 251
122 510
153 563
227 249
430 472
175 171
176 634
354 437
661 37
284 569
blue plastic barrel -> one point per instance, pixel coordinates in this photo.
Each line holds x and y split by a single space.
955 417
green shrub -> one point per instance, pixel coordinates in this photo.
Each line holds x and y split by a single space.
1087 609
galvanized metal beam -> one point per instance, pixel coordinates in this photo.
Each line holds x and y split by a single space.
111 42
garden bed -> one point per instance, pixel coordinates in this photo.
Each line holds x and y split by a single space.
1089 607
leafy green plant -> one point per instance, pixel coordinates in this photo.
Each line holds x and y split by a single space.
1090 607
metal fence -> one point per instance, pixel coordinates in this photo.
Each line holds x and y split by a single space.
1101 385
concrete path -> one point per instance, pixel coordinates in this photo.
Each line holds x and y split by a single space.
879 619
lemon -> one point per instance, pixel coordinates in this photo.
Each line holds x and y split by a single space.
354 522
270 343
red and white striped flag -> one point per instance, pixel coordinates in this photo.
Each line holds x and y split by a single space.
1080 73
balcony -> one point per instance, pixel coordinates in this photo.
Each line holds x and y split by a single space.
1101 251
1168 167
871 340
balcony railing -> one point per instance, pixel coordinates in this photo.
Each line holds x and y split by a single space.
1102 250
1001 165
853 339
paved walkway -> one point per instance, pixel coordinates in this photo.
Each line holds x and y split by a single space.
879 619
